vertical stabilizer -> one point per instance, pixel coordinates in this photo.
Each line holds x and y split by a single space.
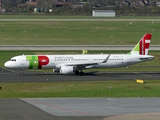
143 45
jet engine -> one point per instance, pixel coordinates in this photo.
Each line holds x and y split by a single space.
67 70
56 70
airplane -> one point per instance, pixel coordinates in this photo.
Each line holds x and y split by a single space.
74 64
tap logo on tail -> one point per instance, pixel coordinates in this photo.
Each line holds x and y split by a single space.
144 44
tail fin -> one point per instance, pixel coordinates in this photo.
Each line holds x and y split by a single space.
143 45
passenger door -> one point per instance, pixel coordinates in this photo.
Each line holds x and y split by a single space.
22 60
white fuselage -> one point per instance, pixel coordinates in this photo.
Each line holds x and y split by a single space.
70 64
85 61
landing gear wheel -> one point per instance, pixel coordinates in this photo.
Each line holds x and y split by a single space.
22 72
77 72
81 73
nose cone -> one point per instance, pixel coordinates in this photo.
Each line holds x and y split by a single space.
7 64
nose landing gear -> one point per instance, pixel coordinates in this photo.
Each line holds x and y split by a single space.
22 72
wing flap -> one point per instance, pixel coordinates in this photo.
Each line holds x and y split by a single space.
81 64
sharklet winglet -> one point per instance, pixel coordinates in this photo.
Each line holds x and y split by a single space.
106 59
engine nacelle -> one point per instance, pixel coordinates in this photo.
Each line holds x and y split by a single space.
56 70
67 70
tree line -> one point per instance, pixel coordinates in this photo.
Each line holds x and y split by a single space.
43 6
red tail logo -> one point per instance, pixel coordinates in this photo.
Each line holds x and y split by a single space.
144 44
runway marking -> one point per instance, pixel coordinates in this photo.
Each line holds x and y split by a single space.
135 72
5 73
58 107
146 75
8 70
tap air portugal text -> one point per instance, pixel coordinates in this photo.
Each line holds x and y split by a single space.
74 64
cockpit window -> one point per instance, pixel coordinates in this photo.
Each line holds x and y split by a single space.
12 59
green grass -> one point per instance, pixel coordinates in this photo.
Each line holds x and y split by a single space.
80 89
76 33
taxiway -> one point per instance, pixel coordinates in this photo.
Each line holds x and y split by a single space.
80 108
7 75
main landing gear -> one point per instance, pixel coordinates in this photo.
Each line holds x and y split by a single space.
79 73
22 72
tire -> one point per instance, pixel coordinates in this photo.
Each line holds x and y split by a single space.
81 73
77 72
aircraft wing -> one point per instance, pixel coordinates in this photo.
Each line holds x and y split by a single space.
88 64
85 65
82 65
78 65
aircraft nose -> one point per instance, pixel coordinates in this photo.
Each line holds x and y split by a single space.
7 64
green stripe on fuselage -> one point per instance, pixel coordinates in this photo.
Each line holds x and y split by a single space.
33 61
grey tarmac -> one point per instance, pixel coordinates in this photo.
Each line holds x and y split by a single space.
8 75
17 109
80 108
95 106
